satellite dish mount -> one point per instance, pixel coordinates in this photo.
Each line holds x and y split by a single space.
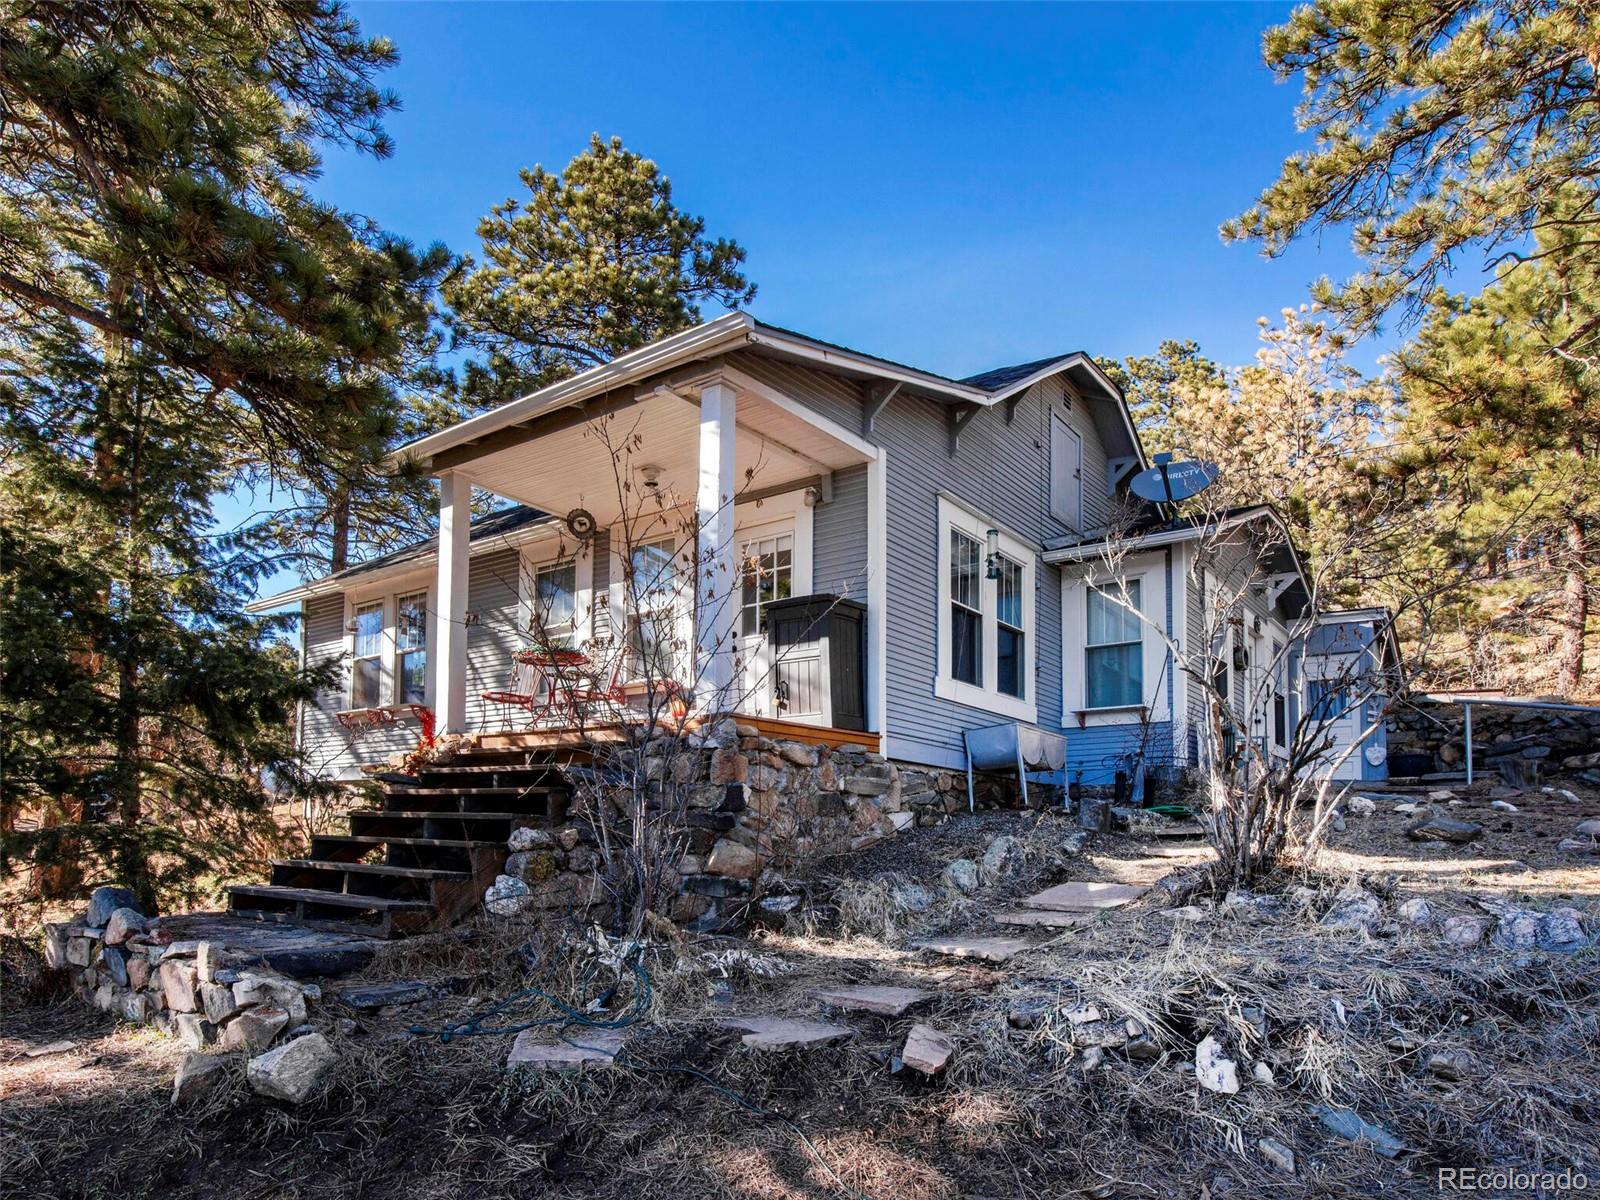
1169 482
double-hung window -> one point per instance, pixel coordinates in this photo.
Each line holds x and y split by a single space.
411 648
1114 648
1010 630
966 609
652 623
985 615
554 621
366 668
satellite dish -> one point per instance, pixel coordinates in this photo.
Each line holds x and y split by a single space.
1168 482
580 524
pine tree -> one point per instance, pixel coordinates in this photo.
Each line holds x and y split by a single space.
592 263
1503 432
1439 128
177 317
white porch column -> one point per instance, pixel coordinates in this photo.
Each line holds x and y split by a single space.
449 649
716 608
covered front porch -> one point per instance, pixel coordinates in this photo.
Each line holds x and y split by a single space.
712 552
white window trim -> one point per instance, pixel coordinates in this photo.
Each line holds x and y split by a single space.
536 557
1150 571
988 697
389 654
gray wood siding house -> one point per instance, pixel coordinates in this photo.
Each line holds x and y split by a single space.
949 509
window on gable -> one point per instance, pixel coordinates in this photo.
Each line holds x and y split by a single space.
966 609
1114 654
1009 633
411 648
366 669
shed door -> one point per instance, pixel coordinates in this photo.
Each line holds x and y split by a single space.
1066 473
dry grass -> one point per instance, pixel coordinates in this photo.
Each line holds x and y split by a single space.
1343 1018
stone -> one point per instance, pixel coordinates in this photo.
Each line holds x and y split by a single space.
178 986
1440 796
870 779
883 1000
194 1031
1360 806
1504 806
728 766
1093 1058
506 896
1214 1069
1002 857
1576 846
1588 829
1191 913
254 1029
217 1001
995 950
385 995
1276 1153
733 860
104 901
1442 828
1415 911
295 1071
1083 897
902 821
961 876
1043 918
1354 910
79 951
528 838
927 1050
1559 930
786 1033
49 1048
207 962
1263 1075
254 988
581 1046
568 838
1408 809
913 897
1346 1124
198 1075
798 753
1463 931
123 924
116 964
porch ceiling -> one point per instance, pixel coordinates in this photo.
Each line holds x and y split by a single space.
583 466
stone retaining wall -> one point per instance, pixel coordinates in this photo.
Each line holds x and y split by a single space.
1522 743
124 963
758 811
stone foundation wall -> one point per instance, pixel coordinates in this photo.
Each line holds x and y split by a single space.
124 963
1523 743
759 811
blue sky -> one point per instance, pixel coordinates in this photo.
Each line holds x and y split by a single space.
952 186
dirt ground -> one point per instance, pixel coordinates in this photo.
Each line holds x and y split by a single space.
1041 1099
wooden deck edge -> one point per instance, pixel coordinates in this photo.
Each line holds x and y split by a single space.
772 727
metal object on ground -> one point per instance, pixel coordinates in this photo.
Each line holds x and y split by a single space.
1012 746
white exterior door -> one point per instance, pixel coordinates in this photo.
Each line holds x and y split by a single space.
768 567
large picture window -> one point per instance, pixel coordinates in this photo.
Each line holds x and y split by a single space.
1114 653
986 613
366 668
411 648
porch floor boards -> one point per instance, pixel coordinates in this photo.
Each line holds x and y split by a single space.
771 727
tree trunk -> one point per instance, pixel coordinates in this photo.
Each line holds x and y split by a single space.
339 550
1574 608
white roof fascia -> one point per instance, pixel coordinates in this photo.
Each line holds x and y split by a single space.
330 585
1165 537
690 343
804 347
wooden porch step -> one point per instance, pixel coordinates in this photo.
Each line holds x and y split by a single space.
272 891
532 789
331 864
436 814
378 839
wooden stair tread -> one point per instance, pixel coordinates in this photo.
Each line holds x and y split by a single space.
531 789
379 839
332 864
272 891
438 815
